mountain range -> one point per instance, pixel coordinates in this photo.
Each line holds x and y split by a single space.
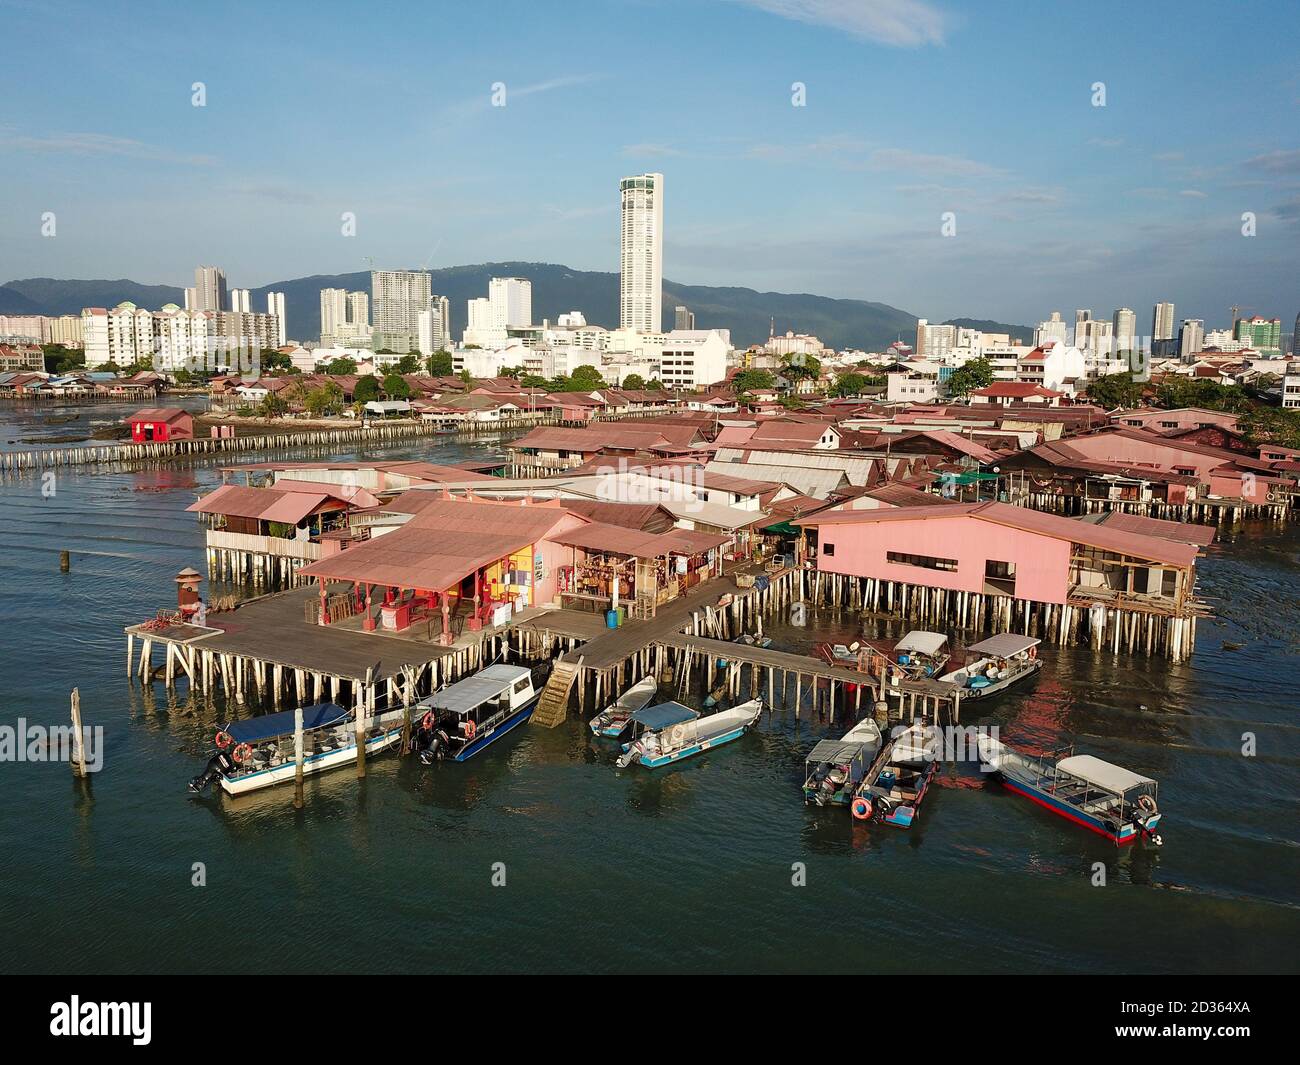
839 323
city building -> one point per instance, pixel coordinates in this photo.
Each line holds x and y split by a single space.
691 359
1262 334
934 341
1054 329
1291 385
433 330
683 318
241 299
1124 331
62 329
275 306
1162 322
641 246
209 290
511 301
173 339
398 297
1191 338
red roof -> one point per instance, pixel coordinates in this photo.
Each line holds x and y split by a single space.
158 414
1015 390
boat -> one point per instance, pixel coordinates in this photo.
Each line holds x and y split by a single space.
1104 798
259 752
838 654
921 654
461 719
834 768
616 718
669 732
893 789
759 641
996 664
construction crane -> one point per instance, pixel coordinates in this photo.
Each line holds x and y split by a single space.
1234 309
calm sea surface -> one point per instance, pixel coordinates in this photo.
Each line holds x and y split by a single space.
683 869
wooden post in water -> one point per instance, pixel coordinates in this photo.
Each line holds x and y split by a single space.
78 737
360 712
297 758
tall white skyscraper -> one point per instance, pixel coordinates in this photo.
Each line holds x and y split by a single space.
641 271
241 300
511 299
333 311
434 331
397 298
210 289
358 313
1053 330
1162 322
275 306
1191 339
1124 330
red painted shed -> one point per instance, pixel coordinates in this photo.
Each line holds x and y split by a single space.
159 424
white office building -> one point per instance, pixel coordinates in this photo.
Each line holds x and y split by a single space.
690 359
433 330
397 298
511 302
241 300
641 244
1053 331
1162 322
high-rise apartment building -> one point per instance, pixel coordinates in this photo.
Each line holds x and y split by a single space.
397 298
641 240
241 300
1191 339
1054 330
275 306
1124 330
1162 322
511 299
210 289
1263 334
683 318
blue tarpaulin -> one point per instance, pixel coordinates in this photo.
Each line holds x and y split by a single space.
664 715
268 726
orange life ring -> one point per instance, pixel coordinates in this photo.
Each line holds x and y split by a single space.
426 722
241 754
223 740
861 809
1033 653
470 728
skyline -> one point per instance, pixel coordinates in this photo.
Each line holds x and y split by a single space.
926 108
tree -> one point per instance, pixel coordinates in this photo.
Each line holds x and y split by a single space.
634 381
325 400
1271 425
1174 393
409 363
1116 390
466 377
753 380
276 360
395 387
367 389
440 364
511 371
530 380
800 366
585 379
978 373
791 402
850 384
272 406
654 385
341 366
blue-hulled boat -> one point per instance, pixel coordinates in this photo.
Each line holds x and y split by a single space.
670 732
1104 798
259 752
463 718
894 787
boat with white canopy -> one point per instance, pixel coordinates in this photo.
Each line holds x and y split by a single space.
461 719
670 732
1102 797
894 787
616 718
259 752
995 664
834 768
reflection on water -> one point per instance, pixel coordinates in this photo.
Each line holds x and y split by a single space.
100 872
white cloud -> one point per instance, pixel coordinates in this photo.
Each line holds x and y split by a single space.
901 23
902 159
99 144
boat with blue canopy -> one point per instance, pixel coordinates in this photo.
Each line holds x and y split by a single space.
258 752
463 718
834 768
670 732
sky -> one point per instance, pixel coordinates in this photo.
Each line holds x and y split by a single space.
1084 155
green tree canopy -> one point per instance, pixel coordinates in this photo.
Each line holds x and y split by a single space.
585 379
395 387
324 401
341 366
654 385
366 390
1115 390
978 373
850 384
753 380
409 363
634 381
440 364
801 367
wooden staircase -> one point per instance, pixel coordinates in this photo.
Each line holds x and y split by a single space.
553 706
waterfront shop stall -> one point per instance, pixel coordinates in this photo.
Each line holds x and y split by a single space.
612 566
457 564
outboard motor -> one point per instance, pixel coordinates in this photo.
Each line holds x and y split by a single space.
433 747
218 765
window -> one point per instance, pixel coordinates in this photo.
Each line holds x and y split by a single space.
999 570
522 684
828 550
924 561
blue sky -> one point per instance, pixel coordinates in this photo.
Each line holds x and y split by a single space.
913 109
